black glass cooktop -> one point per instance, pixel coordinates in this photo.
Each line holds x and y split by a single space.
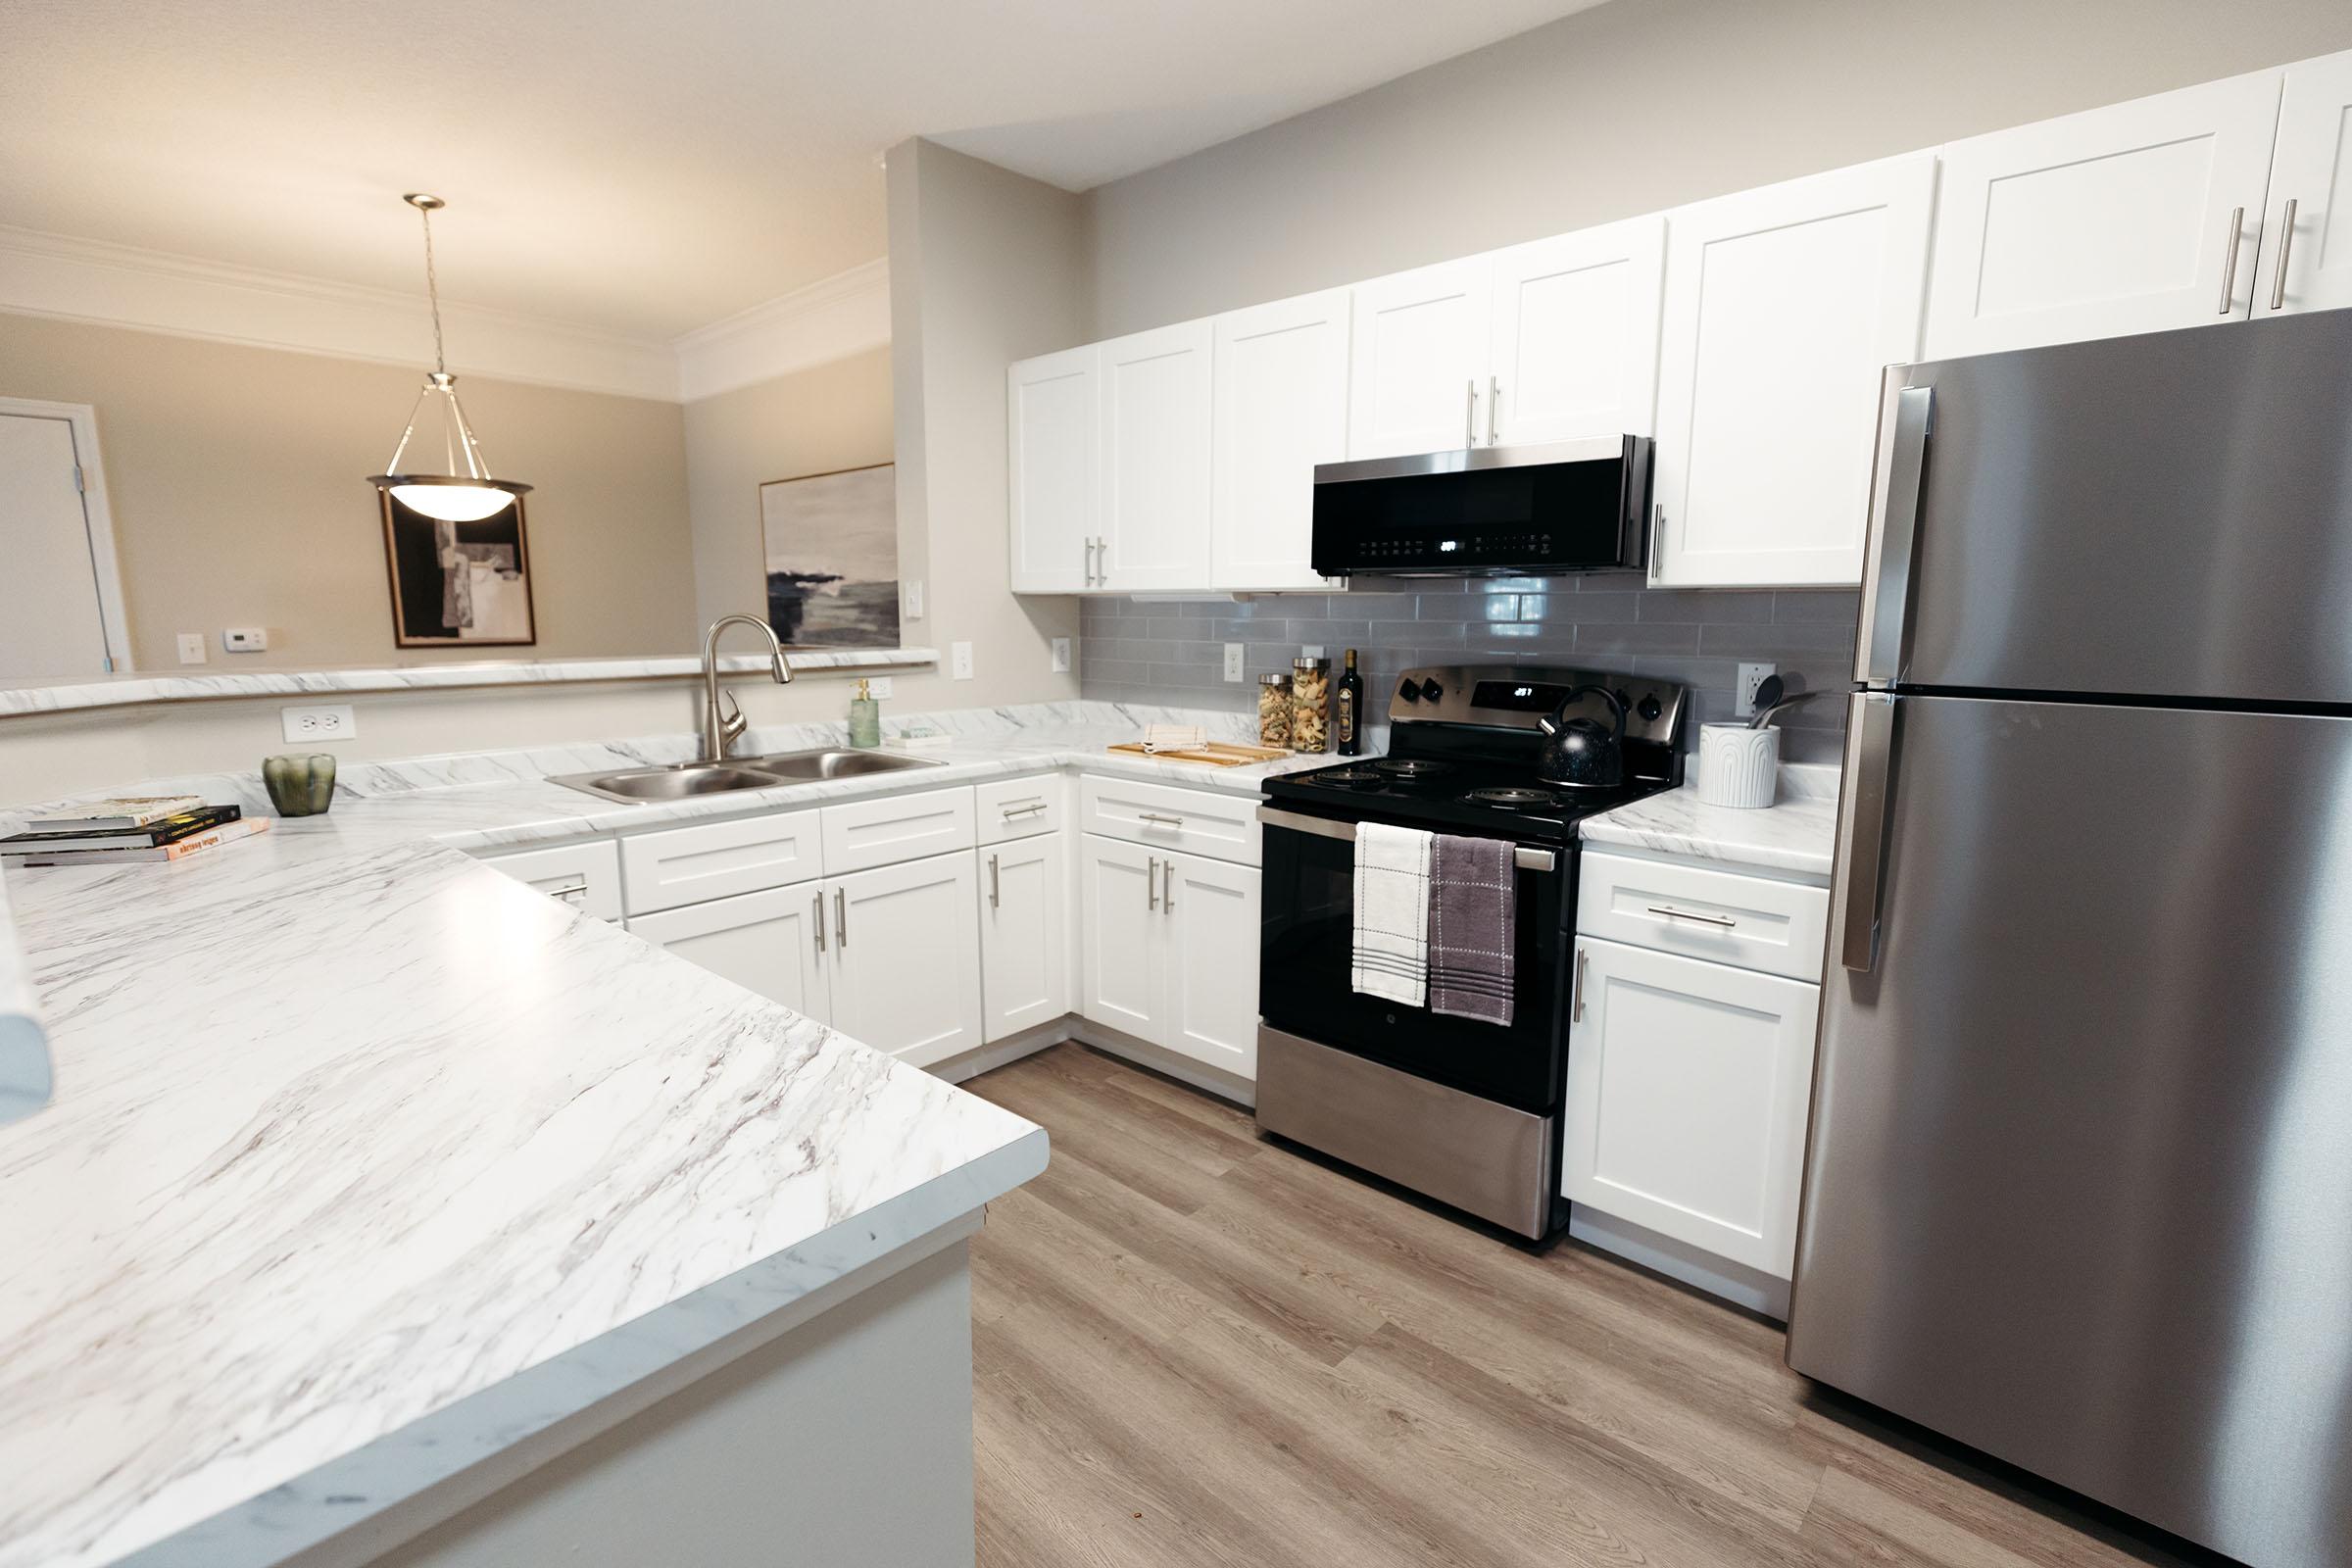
1497 798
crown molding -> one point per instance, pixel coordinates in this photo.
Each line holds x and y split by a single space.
830 320
122 285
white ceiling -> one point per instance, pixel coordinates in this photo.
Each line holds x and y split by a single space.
639 167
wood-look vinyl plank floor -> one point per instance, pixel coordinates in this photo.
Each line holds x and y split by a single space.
1196 1346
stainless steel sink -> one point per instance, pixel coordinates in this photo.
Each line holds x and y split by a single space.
681 780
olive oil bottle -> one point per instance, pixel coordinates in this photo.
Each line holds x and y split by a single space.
1348 711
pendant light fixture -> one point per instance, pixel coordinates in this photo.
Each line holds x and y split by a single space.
463 491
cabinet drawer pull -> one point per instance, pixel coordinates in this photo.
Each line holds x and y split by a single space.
816 909
578 890
2237 229
1164 821
1030 810
1724 921
2286 246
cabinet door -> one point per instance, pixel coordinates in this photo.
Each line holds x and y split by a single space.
1024 951
1280 407
773 943
1417 375
1118 894
586 876
907 957
1575 338
1783 307
1054 410
2312 168
2132 218
1208 912
1688 1085
1154 477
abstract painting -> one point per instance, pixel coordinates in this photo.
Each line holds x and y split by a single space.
459 583
832 546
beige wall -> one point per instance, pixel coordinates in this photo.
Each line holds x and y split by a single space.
237 481
1632 107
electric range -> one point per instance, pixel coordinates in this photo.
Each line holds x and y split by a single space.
1465 1111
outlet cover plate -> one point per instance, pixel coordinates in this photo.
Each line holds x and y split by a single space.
1232 661
880 687
959 661
1061 656
321 722
1744 690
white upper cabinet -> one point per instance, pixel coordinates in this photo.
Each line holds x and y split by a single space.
2305 260
1278 408
1574 334
1054 406
1155 462
1783 307
1417 378
2132 218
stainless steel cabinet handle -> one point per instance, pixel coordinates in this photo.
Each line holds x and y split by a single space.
995 894
1151 883
1862 823
1031 809
1167 889
841 918
1090 562
2237 229
1672 913
2287 245
1102 561
578 890
1154 816
816 909
1469 415
1494 402
1576 1004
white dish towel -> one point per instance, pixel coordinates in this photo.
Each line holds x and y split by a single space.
1392 913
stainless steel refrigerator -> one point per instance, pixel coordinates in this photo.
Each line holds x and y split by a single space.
2079 1185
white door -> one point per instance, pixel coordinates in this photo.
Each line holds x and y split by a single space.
905 952
2307 264
772 942
1208 909
1417 373
1054 410
1784 305
1575 337
1024 947
1156 453
54 614
1280 406
2132 218
1118 894
1688 1085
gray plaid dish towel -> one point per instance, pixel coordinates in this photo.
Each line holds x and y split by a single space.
1472 907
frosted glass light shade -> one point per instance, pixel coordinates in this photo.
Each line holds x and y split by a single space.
452 503
465 490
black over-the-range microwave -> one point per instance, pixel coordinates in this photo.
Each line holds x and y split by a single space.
1565 506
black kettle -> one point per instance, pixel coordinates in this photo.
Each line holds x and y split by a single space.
1583 752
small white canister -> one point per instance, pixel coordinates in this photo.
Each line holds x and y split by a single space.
1739 765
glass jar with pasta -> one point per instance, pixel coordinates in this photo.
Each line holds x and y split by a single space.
1274 710
1310 705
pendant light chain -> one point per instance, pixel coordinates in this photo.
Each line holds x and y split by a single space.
432 289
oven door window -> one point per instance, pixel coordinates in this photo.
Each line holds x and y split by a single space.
1306 952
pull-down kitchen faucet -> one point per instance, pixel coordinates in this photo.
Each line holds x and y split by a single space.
720 729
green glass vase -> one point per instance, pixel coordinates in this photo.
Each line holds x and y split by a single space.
300 785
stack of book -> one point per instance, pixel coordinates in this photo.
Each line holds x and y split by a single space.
168 827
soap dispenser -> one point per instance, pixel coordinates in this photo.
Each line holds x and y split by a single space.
865 717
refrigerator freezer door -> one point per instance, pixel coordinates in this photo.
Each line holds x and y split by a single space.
2165 515
2078 1186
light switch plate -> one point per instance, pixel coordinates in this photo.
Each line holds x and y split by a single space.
1232 661
1743 691
191 648
959 661
1061 656
245 639
914 599
324 721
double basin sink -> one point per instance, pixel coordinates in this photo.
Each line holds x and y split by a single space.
682 780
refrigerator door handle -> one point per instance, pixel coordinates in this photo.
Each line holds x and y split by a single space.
1906 420
1862 824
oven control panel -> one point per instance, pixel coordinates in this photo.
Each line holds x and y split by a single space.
1520 697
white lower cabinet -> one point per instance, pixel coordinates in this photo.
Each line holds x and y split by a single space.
905 958
1025 942
772 942
1688 1088
1171 950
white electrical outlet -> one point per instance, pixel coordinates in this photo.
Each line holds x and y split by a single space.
1311 651
878 687
191 648
1232 661
329 721
959 661
1061 656
1744 690
914 599
246 639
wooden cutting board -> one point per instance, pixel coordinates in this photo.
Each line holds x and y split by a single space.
1216 754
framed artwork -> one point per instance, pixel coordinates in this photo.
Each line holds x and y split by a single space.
832 546
458 584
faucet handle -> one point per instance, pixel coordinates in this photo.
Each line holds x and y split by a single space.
731 722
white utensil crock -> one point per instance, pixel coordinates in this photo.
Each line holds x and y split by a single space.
1738 766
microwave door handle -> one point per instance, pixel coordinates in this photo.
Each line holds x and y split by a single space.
1862 816
1906 421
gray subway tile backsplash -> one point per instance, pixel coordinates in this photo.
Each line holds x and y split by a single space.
1150 651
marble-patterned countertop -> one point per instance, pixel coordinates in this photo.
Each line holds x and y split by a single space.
1798 833
365 1161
